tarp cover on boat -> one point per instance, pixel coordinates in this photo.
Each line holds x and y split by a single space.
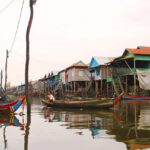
144 79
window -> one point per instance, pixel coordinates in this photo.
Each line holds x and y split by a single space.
81 72
97 72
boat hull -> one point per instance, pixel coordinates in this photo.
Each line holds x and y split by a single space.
98 104
136 98
6 108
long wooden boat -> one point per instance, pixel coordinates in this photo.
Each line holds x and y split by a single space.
103 104
11 107
136 97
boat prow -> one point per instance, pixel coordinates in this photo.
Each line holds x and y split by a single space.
11 107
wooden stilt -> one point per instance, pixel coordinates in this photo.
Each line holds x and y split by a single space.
134 78
101 87
74 87
126 85
96 88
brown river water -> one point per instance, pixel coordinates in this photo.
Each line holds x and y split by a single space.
126 127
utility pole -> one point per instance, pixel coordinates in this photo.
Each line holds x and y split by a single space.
31 3
6 71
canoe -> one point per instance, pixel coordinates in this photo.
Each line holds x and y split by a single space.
136 97
11 107
103 104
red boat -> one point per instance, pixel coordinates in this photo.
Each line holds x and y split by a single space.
11 107
136 97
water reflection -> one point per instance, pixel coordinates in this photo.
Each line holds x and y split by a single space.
126 127
135 131
98 122
5 122
129 124
27 129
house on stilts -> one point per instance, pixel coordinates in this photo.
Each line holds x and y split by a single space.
77 80
101 76
131 72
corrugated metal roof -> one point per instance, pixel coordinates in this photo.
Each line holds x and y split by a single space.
97 61
103 60
78 64
140 51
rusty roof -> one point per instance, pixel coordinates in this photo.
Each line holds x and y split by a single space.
140 50
78 64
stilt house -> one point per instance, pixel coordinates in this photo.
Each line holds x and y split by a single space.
132 71
100 74
77 78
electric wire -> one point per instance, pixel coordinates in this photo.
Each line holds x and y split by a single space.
4 8
17 27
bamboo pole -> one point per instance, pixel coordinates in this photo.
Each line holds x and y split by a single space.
31 3
101 87
126 89
134 77
96 86
1 78
6 71
74 86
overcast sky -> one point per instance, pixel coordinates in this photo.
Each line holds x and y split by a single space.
66 31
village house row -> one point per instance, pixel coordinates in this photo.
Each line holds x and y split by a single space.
102 77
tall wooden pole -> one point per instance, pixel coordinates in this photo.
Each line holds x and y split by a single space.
6 71
134 77
1 78
28 56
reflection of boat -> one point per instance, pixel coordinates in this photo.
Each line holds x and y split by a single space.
136 102
9 120
81 119
98 122
83 103
132 97
11 107
6 121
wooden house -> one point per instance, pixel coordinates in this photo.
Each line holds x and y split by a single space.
62 76
50 81
37 88
100 74
132 70
77 78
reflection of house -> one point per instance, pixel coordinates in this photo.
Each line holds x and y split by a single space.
100 74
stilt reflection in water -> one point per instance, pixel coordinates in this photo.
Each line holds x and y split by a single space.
5 122
135 131
98 122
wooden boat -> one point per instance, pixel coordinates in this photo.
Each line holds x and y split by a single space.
136 97
83 103
11 107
